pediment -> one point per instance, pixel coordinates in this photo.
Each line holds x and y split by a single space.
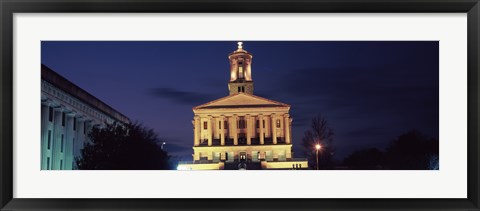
241 100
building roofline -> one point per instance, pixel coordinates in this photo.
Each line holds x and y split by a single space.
69 87
239 93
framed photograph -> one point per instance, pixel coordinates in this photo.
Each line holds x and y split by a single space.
200 105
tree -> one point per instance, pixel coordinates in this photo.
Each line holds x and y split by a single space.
123 147
433 163
319 133
412 151
366 159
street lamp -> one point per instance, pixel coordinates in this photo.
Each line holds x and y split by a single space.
162 145
318 146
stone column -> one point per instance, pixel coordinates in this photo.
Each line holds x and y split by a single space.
274 129
209 130
75 141
249 129
222 131
248 69
235 130
260 122
44 138
79 140
56 138
69 136
194 128
287 129
196 136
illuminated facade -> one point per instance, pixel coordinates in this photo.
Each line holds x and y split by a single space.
242 131
68 114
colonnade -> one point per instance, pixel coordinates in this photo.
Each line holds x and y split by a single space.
63 133
273 125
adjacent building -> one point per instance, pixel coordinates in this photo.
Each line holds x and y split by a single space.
68 113
242 130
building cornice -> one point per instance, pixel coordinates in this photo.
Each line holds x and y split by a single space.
72 89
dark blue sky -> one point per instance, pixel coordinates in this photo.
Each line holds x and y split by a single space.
370 92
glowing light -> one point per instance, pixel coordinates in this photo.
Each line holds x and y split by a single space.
318 146
240 45
182 168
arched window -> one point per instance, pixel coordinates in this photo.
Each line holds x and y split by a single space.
240 70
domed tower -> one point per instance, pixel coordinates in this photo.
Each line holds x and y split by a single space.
240 71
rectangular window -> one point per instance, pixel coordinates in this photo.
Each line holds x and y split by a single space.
49 139
74 123
242 123
61 164
48 163
63 118
278 123
257 123
205 126
50 114
61 144
263 122
225 125
220 125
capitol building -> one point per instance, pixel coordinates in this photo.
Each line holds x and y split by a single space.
242 131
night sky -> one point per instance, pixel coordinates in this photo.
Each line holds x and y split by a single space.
370 92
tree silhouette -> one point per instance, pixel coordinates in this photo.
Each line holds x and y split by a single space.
123 147
366 159
412 151
319 133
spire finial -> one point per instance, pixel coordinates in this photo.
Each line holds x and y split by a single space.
240 45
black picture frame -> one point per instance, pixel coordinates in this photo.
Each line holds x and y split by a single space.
9 7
